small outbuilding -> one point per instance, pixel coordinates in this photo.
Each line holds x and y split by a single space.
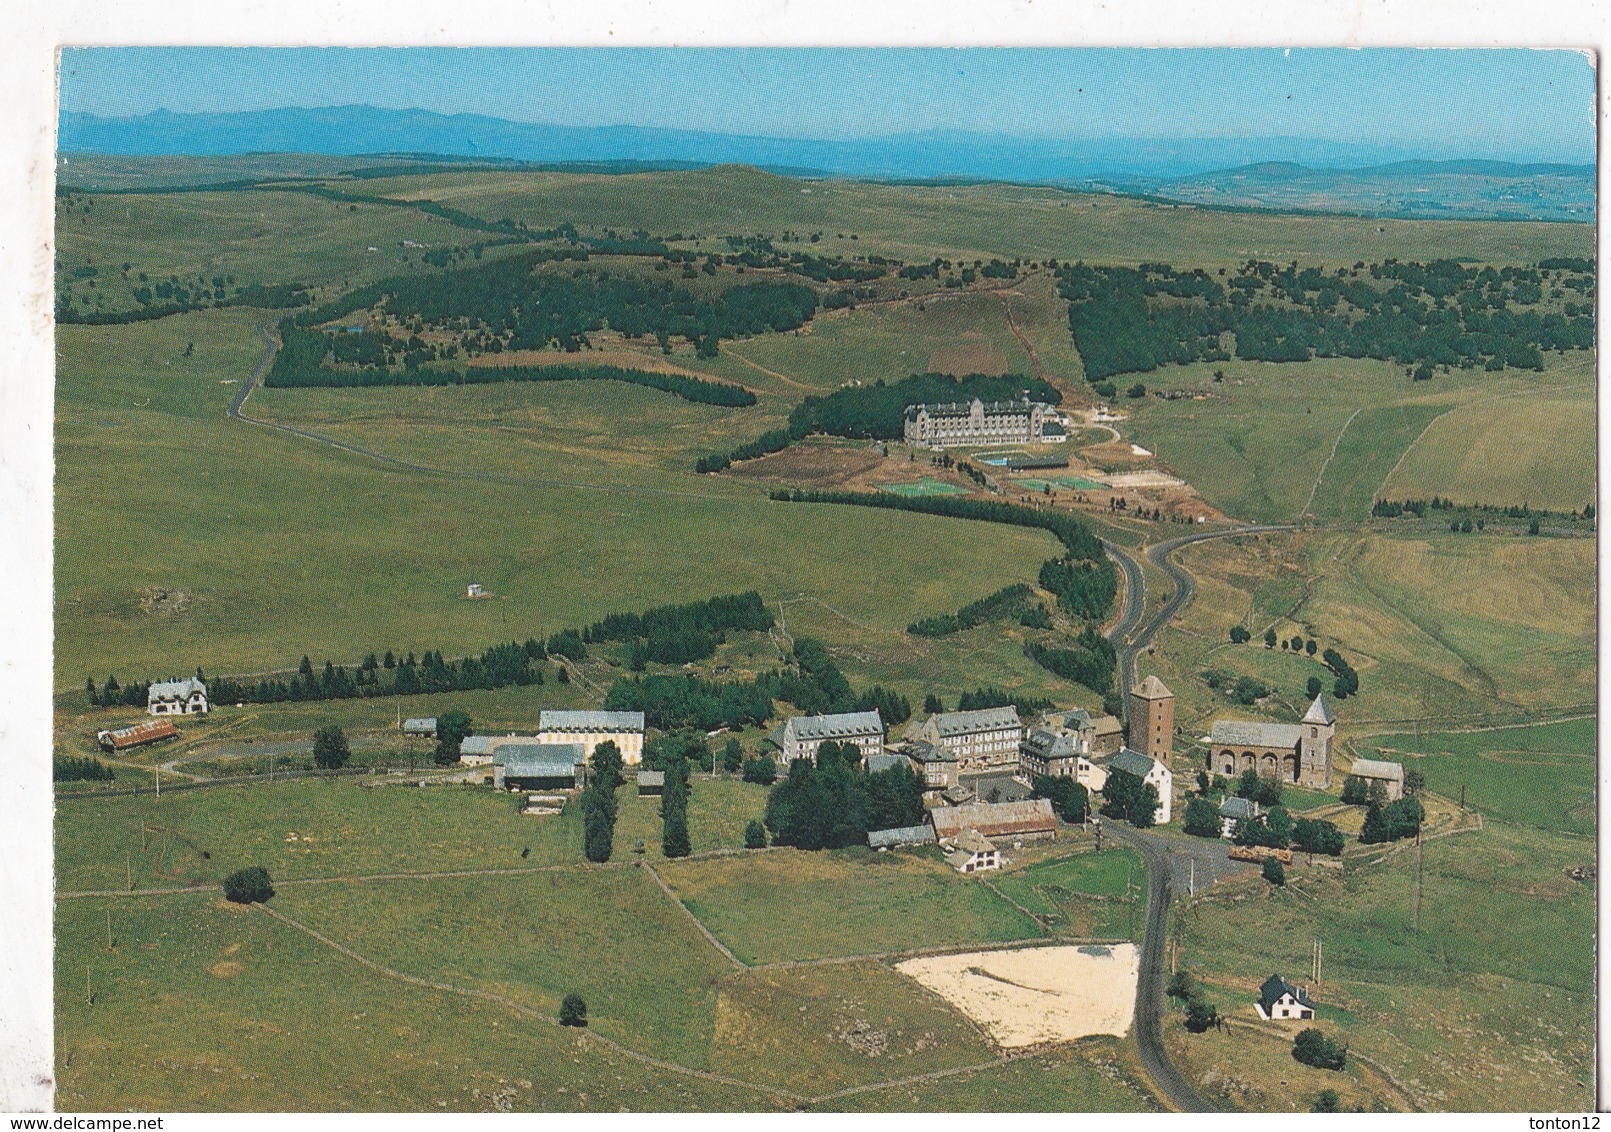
1390 775
903 838
122 738
1233 810
476 750
421 727
651 783
882 762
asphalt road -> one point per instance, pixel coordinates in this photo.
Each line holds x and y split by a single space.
1167 872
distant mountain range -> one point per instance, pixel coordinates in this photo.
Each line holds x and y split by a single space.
352 130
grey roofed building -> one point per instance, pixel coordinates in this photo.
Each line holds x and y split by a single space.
897 838
530 762
843 725
1250 733
876 763
420 725
651 782
1236 808
175 689
1132 762
950 723
476 745
996 819
590 721
921 751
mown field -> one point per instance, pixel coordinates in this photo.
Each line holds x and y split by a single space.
1460 1008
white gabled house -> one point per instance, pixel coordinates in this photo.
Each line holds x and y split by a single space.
1279 1000
177 697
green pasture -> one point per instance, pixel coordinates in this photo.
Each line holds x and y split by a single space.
1066 483
855 903
1501 954
1093 1075
274 524
610 935
918 222
203 1006
1058 889
1472 626
1541 776
1535 446
928 485
258 237
1367 449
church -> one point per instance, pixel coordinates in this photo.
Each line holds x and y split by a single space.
1292 752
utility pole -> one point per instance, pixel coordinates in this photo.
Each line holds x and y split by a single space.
128 868
1418 872
1191 886
89 999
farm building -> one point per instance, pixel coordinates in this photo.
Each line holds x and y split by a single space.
1151 719
1390 775
1293 752
972 852
539 766
1145 768
1233 810
651 783
1280 999
474 590
904 837
987 737
476 750
936 766
800 737
1030 820
961 423
422 727
122 738
177 697
590 728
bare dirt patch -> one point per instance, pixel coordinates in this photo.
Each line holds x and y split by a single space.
225 970
1032 996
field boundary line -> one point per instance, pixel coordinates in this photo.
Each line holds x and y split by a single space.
1335 444
703 930
528 1012
1036 920
946 949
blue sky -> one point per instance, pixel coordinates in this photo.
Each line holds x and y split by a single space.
1533 103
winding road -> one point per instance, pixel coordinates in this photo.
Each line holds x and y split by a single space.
1130 634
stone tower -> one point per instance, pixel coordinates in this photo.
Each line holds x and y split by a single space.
1151 719
1314 747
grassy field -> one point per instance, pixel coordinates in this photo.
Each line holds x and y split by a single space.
1094 1075
1541 776
1461 1008
1536 448
1326 437
205 1006
384 554
917 222
1057 890
1461 626
856 903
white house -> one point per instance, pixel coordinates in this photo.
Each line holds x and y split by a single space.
1279 999
972 852
177 697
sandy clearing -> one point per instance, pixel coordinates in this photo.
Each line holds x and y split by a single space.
1028 996
1145 479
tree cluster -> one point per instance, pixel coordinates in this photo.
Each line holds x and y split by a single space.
674 840
1391 822
1009 601
599 805
1131 798
1134 320
1313 1047
1068 797
75 768
833 802
1090 660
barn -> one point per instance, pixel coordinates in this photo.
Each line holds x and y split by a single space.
539 766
